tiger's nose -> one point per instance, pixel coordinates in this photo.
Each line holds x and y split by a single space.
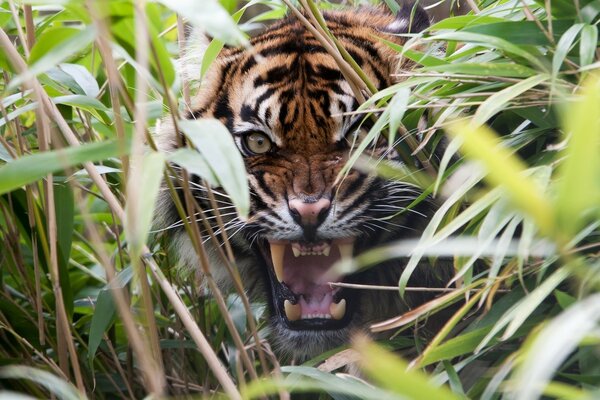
309 213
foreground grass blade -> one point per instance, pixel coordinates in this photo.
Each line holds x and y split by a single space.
505 170
578 196
498 101
55 385
139 216
391 373
545 351
214 142
211 17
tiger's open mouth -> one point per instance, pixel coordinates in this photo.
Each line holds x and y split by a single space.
300 273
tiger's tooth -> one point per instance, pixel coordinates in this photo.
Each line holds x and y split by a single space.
277 253
296 251
338 310
346 250
326 251
293 312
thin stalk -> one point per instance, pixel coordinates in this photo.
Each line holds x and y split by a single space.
134 194
318 18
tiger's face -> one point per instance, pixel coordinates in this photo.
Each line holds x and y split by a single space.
288 108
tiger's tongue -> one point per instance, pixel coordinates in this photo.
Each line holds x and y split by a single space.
306 270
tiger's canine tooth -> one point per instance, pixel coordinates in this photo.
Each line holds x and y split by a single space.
293 312
338 310
326 251
277 253
346 250
296 251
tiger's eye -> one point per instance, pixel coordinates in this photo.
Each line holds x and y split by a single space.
258 143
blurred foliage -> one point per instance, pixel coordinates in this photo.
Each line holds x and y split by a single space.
514 85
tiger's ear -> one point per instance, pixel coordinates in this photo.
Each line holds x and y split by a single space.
410 18
189 65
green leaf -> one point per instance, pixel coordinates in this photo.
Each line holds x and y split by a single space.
505 170
30 168
484 69
463 21
491 42
87 103
421 58
65 209
143 188
578 184
61 388
211 17
212 139
194 163
56 53
521 32
563 47
303 379
544 352
497 102
104 314
76 77
525 308
390 372
588 45
397 109
105 310
49 39
215 47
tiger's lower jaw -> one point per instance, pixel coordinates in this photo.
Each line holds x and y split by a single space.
308 315
299 276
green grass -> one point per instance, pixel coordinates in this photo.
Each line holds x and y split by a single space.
89 307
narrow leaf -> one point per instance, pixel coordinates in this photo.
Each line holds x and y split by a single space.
497 102
391 373
212 139
140 213
30 168
579 175
505 170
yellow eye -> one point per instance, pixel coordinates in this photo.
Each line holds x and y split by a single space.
258 143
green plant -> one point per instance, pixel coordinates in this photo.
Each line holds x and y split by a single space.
513 83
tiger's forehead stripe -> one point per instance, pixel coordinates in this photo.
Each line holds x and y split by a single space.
288 87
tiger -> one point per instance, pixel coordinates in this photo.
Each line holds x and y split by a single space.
290 110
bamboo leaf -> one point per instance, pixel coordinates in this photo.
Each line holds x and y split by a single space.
212 139
140 214
505 170
391 372
578 183
61 388
563 47
588 45
30 168
211 17
491 42
61 51
498 101
484 69
545 351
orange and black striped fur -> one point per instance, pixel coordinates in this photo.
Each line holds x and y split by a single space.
286 104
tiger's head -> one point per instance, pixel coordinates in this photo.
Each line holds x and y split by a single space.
288 107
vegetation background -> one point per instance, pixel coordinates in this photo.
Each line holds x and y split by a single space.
88 310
